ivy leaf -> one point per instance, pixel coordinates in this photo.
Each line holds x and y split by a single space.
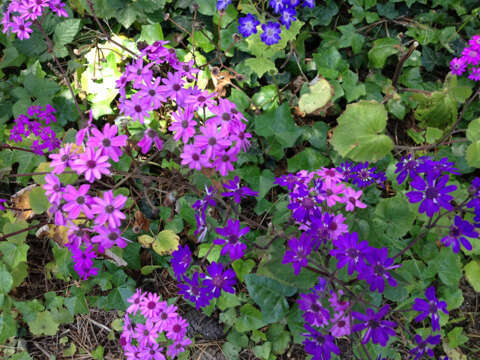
353 90
250 319
381 50
359 134
261 65
309 159
318 98
6 280
269 294
43 324
38 200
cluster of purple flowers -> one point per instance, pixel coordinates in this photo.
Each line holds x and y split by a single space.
361 174
201 288
36 123
470 59
139 340
285 12
75 208
21 13
208 143
429 180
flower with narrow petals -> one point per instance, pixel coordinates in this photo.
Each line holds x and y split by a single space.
299 250
458 66
77 201
377 270
319 345
92 164
219 279
348 250
430 308
108 209
135 300
151 305
378 330
313 311
108 237
232 232
63 159
108 141
181 259
184 126
193 290
457 233
53 189
423 344
352 199
236 191
150 136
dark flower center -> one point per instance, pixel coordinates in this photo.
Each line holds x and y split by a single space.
109 209
138 108
176 87
217 281
151 133
308 203
212 141
378 270
226 116
185 124
65 157
186 67
81 200
139 72
225 158
233 238
21 27
455 231
145 332
176 328
341 323
333 226
195 157
373 324
201 98
352 253
91 164
106 142
315 307
151 305
431 193
112 236
151 92
352 199
56 187
164 316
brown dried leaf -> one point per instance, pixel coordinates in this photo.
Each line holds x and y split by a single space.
140 223
21 201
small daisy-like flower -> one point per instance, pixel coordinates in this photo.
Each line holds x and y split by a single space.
108 209
177 329
77 201
53 189
352 199
92 164
108 141
150 306
63 159
458 66
135 300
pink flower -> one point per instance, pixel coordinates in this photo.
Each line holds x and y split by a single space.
213 139
150 136
136 107
223 162
53 189
332 193
474 74
330 176
177 329
77 201
92 164
458 66
352 199
136 299
184 126
21 28
177 347
193 157
108 209
107 238
151 306
341 325
63 159
108 141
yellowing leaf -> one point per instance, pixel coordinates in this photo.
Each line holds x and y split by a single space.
21 201
318 98
146 240
166 242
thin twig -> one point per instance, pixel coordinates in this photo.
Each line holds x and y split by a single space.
401 62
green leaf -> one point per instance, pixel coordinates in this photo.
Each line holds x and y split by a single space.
13 254
278 124
456 337
243 267
266 98
393 216
269 294
76 304
260 65
151 33
472 273
38 200
6 280
329 61
8 326
438 109
432 135
353 90
350 38
359 134
473 154
250 319
227 301
18 225
473 130
448 267
263 351
381 50
279 338
43 324
319 96
309 159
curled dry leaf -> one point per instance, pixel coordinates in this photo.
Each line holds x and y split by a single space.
21 202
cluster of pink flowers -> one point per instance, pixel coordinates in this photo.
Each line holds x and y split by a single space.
139 340
208 143
21 13
90 158
470 58
36 123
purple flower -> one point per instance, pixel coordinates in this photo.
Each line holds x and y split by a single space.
150 136
377 270
21 28
222 4
423 344
271 33
430 308
151 92
236 191
406 167
77 201
193 290
181 260
277 5
287 16
224 159
474 74
53 189
432 193
108 209
232 232
2 201
319 345
303 208
313 311
136 299
61 160
471 55
349 251
194 158
363 176
458 66
108 141
173 87
92 164
184 126
150 306
299 251
218 279
247 25
308 3
83 262
213 140
457 233
377 329
136 107
108 237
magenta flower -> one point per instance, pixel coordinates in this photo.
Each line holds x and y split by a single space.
92 164
151 93
178 347
177 329
108 141
313 311
352 199
225 158
63 159
150 136
193 157
184 126
146 334
377 329
21 28
213 139
53 189
83 262
299 250
108 209
166 316
458 66
77 201
173 86
136 107
232 232
151 306
107 238
341 325
136 299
